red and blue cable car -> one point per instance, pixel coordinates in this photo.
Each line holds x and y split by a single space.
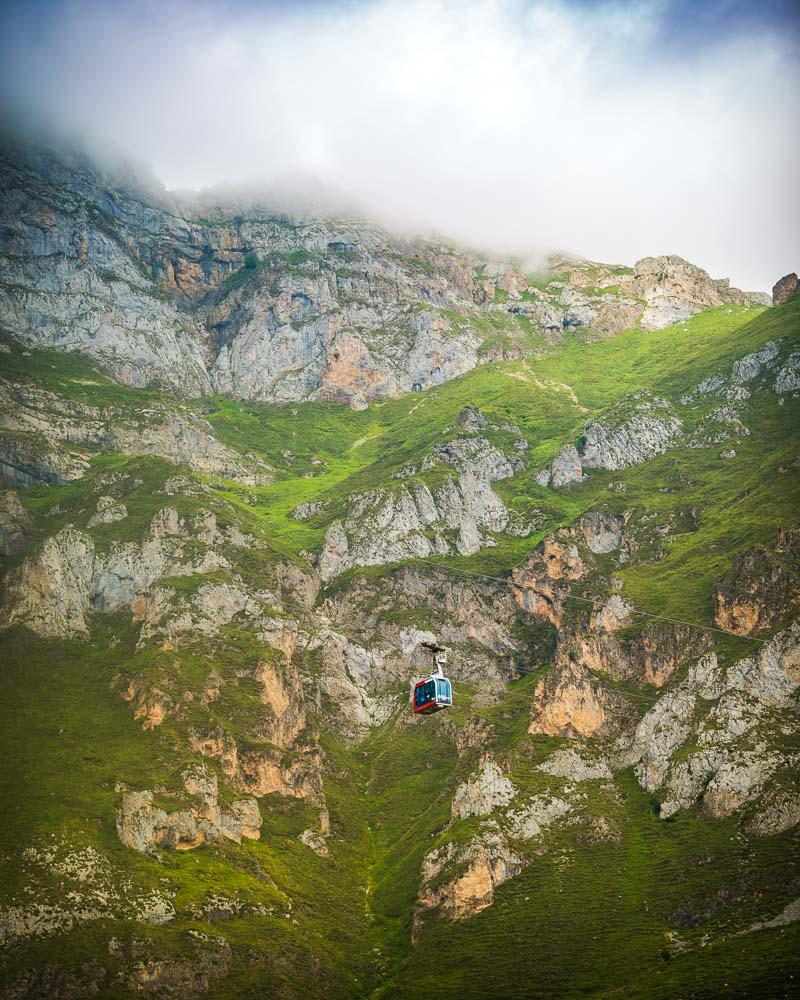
434 692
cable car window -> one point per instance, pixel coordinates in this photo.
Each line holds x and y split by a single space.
425 693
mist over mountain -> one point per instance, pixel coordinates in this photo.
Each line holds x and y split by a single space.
614 131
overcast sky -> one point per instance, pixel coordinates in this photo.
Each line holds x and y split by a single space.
613 130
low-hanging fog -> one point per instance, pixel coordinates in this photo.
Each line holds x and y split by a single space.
613 130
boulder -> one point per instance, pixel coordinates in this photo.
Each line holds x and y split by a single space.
785 289
565 470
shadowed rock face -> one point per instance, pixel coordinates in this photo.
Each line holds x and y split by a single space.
785 289
762 587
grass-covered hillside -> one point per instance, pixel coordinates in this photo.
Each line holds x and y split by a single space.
325 452
385 866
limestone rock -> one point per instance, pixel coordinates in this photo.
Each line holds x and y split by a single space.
175 292
772 676
735 783
634 431
572 766
202 613
673 290
415 521
659 734
778 811
489 862
540 583
785 289
485 791
529 820
303 511
482 863
731 768
752 365
350 681
188 440
34 460
108 510
762 587
565 470
262 770
471 419
145 827
49 591
602 532
15 523
614 614
39 430
315 841
570 702
788 378
53 590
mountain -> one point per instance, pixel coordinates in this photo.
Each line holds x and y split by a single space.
253 461
193 295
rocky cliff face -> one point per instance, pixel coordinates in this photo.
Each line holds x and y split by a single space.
264 306
785 289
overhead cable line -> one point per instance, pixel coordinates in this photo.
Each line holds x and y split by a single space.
596 602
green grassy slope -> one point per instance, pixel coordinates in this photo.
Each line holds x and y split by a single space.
653 915
743 501
601 920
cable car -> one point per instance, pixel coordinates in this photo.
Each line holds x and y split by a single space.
434 692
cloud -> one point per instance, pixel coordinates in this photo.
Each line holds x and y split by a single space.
518 125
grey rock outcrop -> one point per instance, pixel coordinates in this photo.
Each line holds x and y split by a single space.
752 365
634 431
415 521
484 792
203 613
33 460
55 588
572 766
788 379
188 440
173 292
488 860
731 767
565 469
144 827
673 290
48 592
39 430
108 511
602 532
